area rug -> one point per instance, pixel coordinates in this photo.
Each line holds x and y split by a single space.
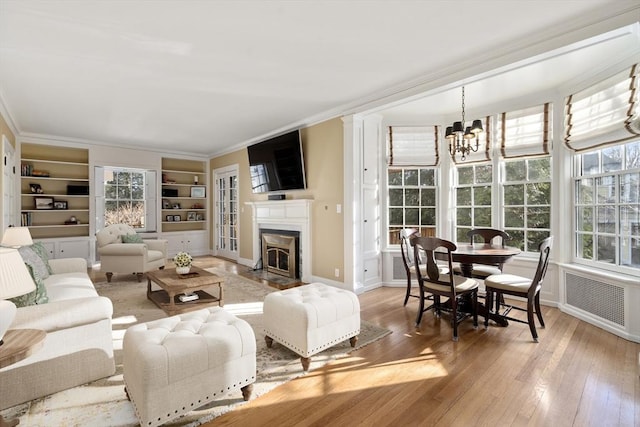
103 402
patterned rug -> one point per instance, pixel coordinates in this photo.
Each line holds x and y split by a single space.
103 402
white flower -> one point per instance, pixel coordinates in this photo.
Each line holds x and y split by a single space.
182 259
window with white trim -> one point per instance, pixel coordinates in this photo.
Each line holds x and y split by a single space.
526 203
607 206
473 198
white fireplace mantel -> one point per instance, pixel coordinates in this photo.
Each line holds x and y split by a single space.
292 215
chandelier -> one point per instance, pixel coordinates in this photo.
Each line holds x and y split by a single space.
460 138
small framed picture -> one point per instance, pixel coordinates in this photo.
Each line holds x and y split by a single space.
44 202
176 206
191 216
177 218
198 191
166 204
35 188
59 204
200 217
169 218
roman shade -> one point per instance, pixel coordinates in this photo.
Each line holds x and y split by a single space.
603 114
525 132
413 146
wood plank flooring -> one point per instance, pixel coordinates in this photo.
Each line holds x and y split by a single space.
577 375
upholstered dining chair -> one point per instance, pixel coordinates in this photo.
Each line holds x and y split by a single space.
407 260
486 236
442 282
510 284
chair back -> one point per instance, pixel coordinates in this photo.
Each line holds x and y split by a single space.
407 256
424 249
487 235
543 263
112 234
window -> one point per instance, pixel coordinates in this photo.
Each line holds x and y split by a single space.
412 195
472 198
607 206
126 196
527 202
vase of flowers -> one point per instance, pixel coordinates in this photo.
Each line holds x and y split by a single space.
183 262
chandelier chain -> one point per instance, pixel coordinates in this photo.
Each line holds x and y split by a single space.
463 107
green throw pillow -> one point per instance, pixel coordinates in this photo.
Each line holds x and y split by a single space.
39 249
31 257
131 238
38 296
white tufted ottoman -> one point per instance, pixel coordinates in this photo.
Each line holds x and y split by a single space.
174 365
311 318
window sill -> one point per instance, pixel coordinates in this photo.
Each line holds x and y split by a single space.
626 279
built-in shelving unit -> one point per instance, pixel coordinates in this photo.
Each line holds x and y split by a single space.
184 195
54 190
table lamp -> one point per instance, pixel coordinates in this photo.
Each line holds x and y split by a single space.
14 237
15 279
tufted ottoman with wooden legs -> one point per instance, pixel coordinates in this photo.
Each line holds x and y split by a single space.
174 365
311 318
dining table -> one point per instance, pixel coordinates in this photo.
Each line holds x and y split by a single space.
467 254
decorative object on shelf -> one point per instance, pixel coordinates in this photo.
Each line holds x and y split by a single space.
191 216
169 218
197 206
166 204
15 281
44 202
60 204
200 217
177 218
198 191
460 137
36 188
183 262
78 190
195 180
72 221
176 206
43 174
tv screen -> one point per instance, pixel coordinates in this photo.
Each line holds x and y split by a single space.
277 164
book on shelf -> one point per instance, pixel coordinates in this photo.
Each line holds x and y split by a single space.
25 219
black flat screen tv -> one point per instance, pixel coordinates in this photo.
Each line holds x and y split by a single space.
277 164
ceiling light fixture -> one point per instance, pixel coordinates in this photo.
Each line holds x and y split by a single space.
460 138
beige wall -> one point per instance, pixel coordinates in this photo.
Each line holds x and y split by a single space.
322 145
4 130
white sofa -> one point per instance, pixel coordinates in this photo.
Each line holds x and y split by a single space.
78 347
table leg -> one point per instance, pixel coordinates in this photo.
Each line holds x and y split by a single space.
148 288
172 301
467 269
221 302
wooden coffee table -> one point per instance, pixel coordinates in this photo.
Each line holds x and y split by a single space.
173 285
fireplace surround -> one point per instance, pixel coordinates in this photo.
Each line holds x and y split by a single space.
289 215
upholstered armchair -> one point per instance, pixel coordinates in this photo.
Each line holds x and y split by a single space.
121 250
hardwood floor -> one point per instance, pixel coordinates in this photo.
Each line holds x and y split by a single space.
578 375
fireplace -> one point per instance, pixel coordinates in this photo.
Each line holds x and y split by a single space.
280 252
285 218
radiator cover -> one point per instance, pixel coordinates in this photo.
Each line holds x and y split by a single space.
596 297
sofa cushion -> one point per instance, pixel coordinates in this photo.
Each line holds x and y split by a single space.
38 296
31 256
66 286
131 238
39 249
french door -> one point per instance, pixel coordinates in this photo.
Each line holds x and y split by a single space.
226 212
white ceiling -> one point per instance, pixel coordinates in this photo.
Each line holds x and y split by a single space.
206 77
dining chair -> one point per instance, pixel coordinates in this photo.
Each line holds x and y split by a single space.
441 282
510 284
407 259
486 236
